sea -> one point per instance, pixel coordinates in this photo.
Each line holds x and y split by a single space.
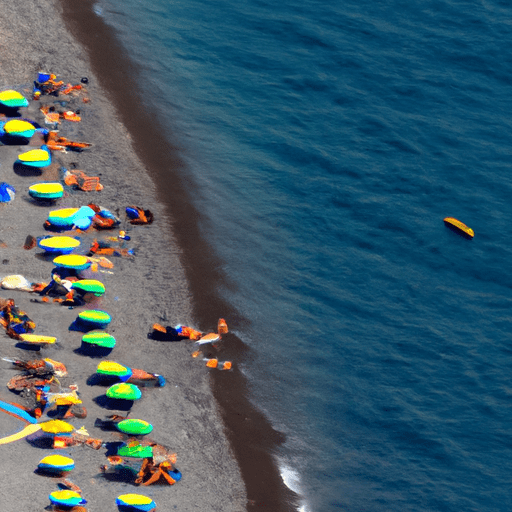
326 142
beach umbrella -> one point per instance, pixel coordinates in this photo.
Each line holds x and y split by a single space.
124 391
114 369
100 339
58 244
13 99
72 261
82 219
136 502
135 450
95 317
69 217
63 217
36 157
19 128
46 190
56 463
89 286
134 427
66 498
57 427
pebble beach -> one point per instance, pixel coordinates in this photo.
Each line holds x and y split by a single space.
149 287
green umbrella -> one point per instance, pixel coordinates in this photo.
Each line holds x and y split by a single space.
20 128
134 427
89 286
135 450
124 391
100 339
94 317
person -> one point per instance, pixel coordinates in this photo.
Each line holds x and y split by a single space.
57 287
15 320
137 215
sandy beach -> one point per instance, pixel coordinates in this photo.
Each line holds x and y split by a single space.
150 287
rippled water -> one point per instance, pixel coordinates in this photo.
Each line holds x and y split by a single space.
326 142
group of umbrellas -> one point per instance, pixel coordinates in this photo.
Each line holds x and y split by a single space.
93 322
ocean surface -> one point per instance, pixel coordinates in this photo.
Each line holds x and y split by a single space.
326 142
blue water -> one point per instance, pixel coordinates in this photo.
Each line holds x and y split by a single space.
326 142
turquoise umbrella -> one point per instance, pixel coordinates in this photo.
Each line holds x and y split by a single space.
66 498
56 463
36 157
13 99
136 502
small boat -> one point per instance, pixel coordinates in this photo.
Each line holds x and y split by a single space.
459 227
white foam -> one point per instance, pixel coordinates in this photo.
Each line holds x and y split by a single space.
291 479
98 10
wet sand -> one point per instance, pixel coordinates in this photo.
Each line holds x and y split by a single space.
172 279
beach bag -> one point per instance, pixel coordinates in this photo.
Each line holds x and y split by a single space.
7 192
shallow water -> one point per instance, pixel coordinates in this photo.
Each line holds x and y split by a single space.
325 144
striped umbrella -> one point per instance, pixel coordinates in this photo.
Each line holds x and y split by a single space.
63 217
135 450
46 190
100 339
124 391
72 261
89 286
66 498
36 157
13 99
134 427
136 502
114 369
95 317
19 128
56 463
58 244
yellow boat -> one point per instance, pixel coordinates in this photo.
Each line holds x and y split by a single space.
459 227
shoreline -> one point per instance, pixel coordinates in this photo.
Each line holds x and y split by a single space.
172 277
250 433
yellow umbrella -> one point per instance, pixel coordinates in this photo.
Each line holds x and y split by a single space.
56 427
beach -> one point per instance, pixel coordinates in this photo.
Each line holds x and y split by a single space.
150 287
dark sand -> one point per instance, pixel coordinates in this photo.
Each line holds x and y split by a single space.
171 280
